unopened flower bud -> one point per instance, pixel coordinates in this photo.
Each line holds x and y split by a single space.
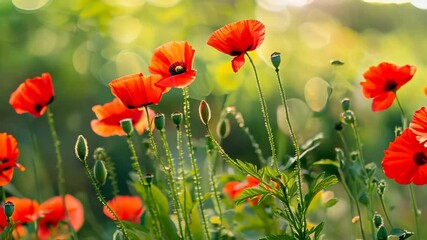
348 117
345 104
81 148
275 59
159 121
339 153
337 62
382 233
363 198
127 125
149 178
99 154
204 112
378 220
223 128
398 131
9 208
381 187
177 118
354 156
338 126
100 172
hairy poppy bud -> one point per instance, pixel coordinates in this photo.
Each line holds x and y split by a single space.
337 62
177 118
159 121
149 178
126 125
81 148
204 112
275 59
223 128
382 233
348 117
9 208
378 220
345 104
100 172
99 154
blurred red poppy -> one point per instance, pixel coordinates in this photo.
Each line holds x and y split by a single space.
405 160
9 153
234 188
235 39
383 81
26 211
110 114
127 208
174 62
33 95
54 214
136 90
419 125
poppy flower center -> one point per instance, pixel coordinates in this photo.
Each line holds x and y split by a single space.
177 68
420 158
390 85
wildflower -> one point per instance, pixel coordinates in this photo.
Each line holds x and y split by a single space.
110 114
235 39
25 211
33 95
54 215
136 90
419 125
9 153
127 208
174 62
234 188
405 160
383 81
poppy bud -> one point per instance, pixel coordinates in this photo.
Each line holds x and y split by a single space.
149 178
338 126
363 198
370 168
99 154
204 112
348 117
398 131
345 104
159 121
275 59
81 148
223 128
177 118
340 156
382 233
100 172
378 220
9 208
337 62
126 125
354 156
381 187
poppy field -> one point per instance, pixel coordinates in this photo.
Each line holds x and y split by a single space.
212 120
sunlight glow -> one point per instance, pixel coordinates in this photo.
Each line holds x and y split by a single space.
125 29
29 5
421 4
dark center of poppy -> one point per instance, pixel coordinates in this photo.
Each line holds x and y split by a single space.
177 68
390 85
235 53
38 107
420 158
3 161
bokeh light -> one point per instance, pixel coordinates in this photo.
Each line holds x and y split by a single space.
29 5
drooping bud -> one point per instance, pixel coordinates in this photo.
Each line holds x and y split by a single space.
204 112
127 125
100 172
81 148
159 121
382 233
275 59
100 154
149 178
398 131
381 186
339 153
337 62
378 220
223 128
345 104
9 208
338 126
176 118
348 117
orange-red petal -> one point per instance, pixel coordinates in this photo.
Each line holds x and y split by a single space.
128 208
9 153
418 125
33 95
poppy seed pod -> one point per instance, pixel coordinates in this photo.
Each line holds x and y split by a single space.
176 118
348 117
126 125
275 59
9 208
81 148
345 104
100 172
159 121
204 112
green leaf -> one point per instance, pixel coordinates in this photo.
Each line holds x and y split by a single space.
400 233
307 147
331 203
320 183
318 230
327 162
277 237
251 193
135 231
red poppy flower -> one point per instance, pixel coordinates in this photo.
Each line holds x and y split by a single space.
110 114
136 90
26 211
174 62
9 153
127 208
54 214
383 81
405 160
419 125
33 96
235 39
234 188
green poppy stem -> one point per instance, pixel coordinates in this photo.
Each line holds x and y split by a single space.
415 211
402 112
197 183
266 118
112 175
385 211
214 188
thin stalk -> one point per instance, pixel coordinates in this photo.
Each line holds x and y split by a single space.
295 143
101 198
112 175
3 195
183 183
36 167
385 212
402 112
193 161
415 211
135 164
214 187
266 118
172 178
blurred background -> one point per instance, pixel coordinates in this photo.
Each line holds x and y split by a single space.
84 44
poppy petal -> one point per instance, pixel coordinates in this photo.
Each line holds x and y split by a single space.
383 101
238 62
